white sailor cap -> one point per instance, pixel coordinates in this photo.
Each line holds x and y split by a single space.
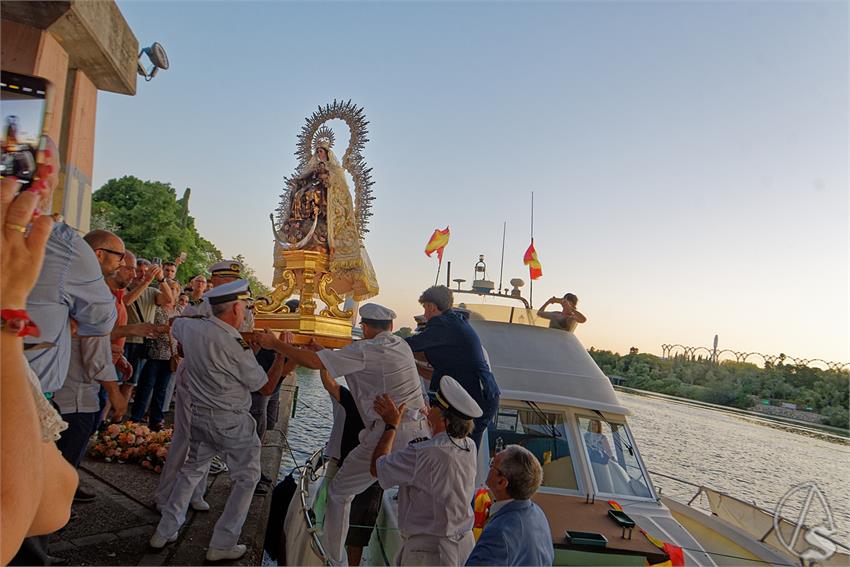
231 291
452 397
227 269
376 312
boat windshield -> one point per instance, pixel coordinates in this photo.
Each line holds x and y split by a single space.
541 432
613 459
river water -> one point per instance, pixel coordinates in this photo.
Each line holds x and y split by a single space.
746 458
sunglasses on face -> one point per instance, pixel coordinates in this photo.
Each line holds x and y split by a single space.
108 251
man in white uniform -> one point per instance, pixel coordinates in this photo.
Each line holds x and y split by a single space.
436 478
222 273
380 363
221 372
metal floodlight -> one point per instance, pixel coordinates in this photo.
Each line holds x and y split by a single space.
157 57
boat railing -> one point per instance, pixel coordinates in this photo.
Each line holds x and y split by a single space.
519 298
706 491
309 474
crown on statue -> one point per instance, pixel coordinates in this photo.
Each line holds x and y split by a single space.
324 138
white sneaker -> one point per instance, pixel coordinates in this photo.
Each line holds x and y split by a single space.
200 505
234 552
158 542
217 466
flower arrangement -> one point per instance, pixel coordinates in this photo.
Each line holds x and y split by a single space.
130 442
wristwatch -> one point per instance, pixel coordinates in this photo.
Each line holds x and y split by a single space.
389 427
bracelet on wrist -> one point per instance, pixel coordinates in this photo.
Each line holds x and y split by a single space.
389 427
18 322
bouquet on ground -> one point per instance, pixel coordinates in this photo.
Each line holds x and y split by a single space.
130 442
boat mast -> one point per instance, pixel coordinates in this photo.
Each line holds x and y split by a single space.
502 269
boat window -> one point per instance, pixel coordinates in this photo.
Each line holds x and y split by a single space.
613 459
541 432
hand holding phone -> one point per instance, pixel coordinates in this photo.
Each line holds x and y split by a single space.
25 103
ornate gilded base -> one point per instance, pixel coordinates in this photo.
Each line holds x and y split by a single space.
327 331
305 273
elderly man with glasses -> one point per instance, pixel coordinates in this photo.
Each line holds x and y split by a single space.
517 532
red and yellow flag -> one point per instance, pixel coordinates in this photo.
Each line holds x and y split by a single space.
535 270
437 243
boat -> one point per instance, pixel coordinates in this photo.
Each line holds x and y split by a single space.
557 403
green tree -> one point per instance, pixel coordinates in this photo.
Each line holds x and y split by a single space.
154 223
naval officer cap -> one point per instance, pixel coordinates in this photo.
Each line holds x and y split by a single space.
226 269
231 291
452 397
375 312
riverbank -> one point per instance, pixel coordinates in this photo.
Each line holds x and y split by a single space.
826 431
115 527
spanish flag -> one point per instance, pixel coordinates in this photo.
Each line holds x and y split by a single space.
535 270
437 243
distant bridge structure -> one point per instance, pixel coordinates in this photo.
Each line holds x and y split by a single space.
766 360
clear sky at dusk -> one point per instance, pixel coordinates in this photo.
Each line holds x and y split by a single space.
689 161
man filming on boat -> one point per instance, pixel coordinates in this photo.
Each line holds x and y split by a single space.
569 317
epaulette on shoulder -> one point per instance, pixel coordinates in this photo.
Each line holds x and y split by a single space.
418 440
242 343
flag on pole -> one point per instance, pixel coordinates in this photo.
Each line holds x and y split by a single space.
437 243
535 270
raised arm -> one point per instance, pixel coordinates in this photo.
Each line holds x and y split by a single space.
542 311
331 385
140 285
574 314
279 368
165 295
391 415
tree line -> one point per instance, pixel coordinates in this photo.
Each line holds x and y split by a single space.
735 384
155 223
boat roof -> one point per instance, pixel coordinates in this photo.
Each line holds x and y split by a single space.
538 364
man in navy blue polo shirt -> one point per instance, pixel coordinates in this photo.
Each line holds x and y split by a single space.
453 348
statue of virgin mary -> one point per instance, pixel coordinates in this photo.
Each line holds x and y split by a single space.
321 218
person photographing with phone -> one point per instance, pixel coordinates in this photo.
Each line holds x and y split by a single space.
142 298
569 317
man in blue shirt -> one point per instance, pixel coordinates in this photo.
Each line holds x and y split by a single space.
453 348
517 532
70 286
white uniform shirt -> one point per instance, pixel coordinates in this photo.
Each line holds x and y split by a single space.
220 368
436 480
372 367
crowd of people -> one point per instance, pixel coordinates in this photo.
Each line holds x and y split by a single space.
93 334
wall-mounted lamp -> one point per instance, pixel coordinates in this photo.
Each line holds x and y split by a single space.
156 55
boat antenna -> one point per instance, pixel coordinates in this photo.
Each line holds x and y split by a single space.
531 281
502 269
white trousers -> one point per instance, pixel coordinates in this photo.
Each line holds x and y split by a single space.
179 448
232 436
435 550
353 478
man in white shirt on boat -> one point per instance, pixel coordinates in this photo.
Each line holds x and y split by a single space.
436 477
380 363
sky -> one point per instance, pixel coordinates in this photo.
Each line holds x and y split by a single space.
689 160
